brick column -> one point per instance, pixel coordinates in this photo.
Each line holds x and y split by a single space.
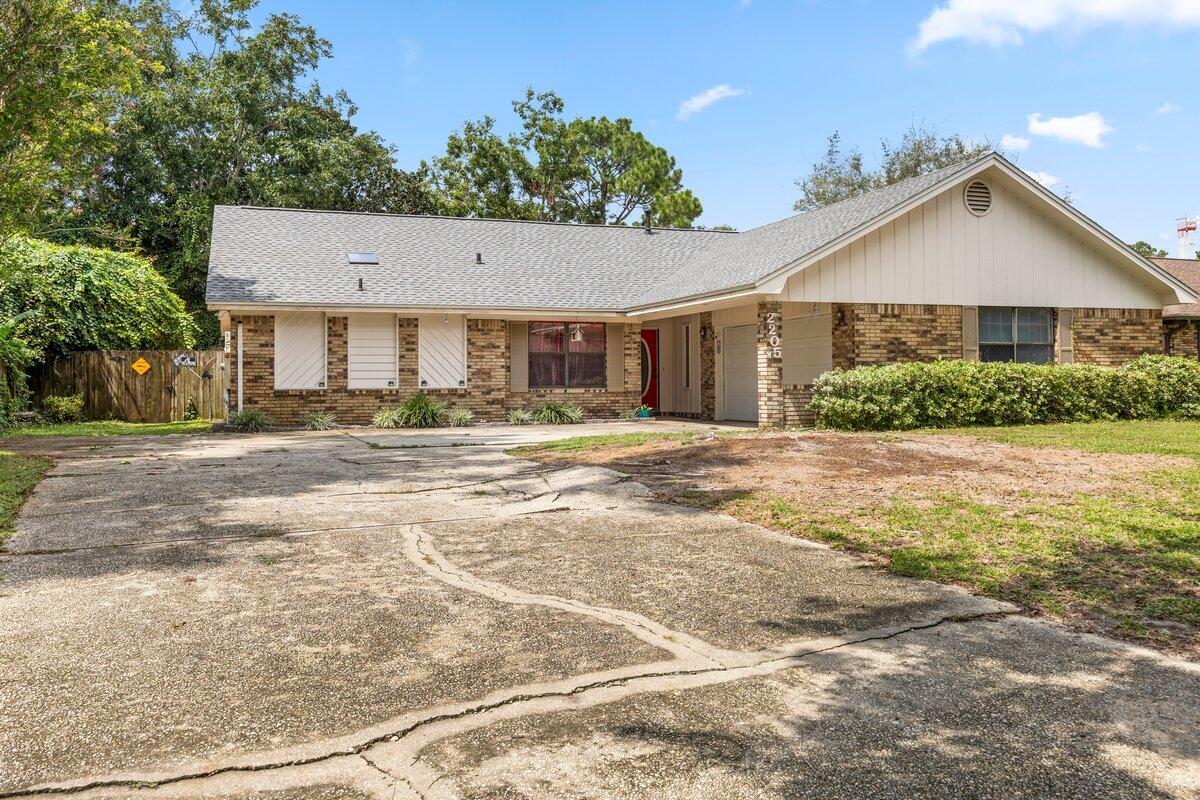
770 364
708 367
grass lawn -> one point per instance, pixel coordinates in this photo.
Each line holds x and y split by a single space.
18 475
110 428
577 444
1158 437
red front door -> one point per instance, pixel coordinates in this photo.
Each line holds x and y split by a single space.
650 368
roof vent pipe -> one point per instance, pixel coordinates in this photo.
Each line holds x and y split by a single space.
479 258
360 286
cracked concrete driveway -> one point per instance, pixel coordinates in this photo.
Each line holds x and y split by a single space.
408 615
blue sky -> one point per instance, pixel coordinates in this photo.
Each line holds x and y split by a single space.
796 71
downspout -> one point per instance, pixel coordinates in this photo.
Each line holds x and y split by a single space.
239 367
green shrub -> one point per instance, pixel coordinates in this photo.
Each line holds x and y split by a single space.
422 411
460 417
318 421
89 298
519 416
190 411
963 393
62 408
553 412
250 420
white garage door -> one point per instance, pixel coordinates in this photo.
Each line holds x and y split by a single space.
739 372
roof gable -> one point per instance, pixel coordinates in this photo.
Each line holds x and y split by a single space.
286 256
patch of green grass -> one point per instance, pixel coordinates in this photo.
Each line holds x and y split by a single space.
19 473
1166 437
110 428
577 444
1118 564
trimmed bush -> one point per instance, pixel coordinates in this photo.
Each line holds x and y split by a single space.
519 416
250 420
318 421
63 408
460 417
552 412
945 394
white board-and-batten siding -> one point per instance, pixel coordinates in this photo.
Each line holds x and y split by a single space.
371 351
442 350
300 350
1017 254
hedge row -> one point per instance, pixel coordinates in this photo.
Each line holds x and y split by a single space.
945 394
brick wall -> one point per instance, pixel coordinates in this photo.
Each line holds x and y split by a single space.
708 367
884 333
488 393
1182 337
1110 337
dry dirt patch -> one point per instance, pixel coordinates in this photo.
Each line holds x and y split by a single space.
1107 542
849 472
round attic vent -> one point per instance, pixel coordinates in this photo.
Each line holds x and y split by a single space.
978 197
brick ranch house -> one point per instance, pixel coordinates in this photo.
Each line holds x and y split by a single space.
350 312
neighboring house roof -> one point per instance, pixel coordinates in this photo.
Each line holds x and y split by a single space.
287 256
1188 271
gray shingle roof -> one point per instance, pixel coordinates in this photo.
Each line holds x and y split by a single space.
1188 271
263 255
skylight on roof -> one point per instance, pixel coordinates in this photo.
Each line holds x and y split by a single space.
362 258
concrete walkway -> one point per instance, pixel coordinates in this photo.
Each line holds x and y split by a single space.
372 614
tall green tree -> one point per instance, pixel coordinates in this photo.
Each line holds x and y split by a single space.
65 68
234 117
1147 250
593 170
841 176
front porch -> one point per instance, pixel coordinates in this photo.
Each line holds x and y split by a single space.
752 362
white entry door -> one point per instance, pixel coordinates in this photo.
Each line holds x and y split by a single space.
739 372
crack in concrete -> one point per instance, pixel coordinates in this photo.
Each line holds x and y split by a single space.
634 683
696 663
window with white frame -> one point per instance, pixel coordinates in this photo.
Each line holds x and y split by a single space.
1023 335
300 350
371 351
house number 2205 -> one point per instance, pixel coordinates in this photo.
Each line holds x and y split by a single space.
774 350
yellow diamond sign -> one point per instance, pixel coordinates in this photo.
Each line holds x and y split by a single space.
141 366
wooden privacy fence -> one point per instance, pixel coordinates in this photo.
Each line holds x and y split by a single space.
140 385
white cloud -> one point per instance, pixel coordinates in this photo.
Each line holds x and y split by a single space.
1014 143
1004 22
1044 178
1168 108
697 103
1142 147
410 51
1086 129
